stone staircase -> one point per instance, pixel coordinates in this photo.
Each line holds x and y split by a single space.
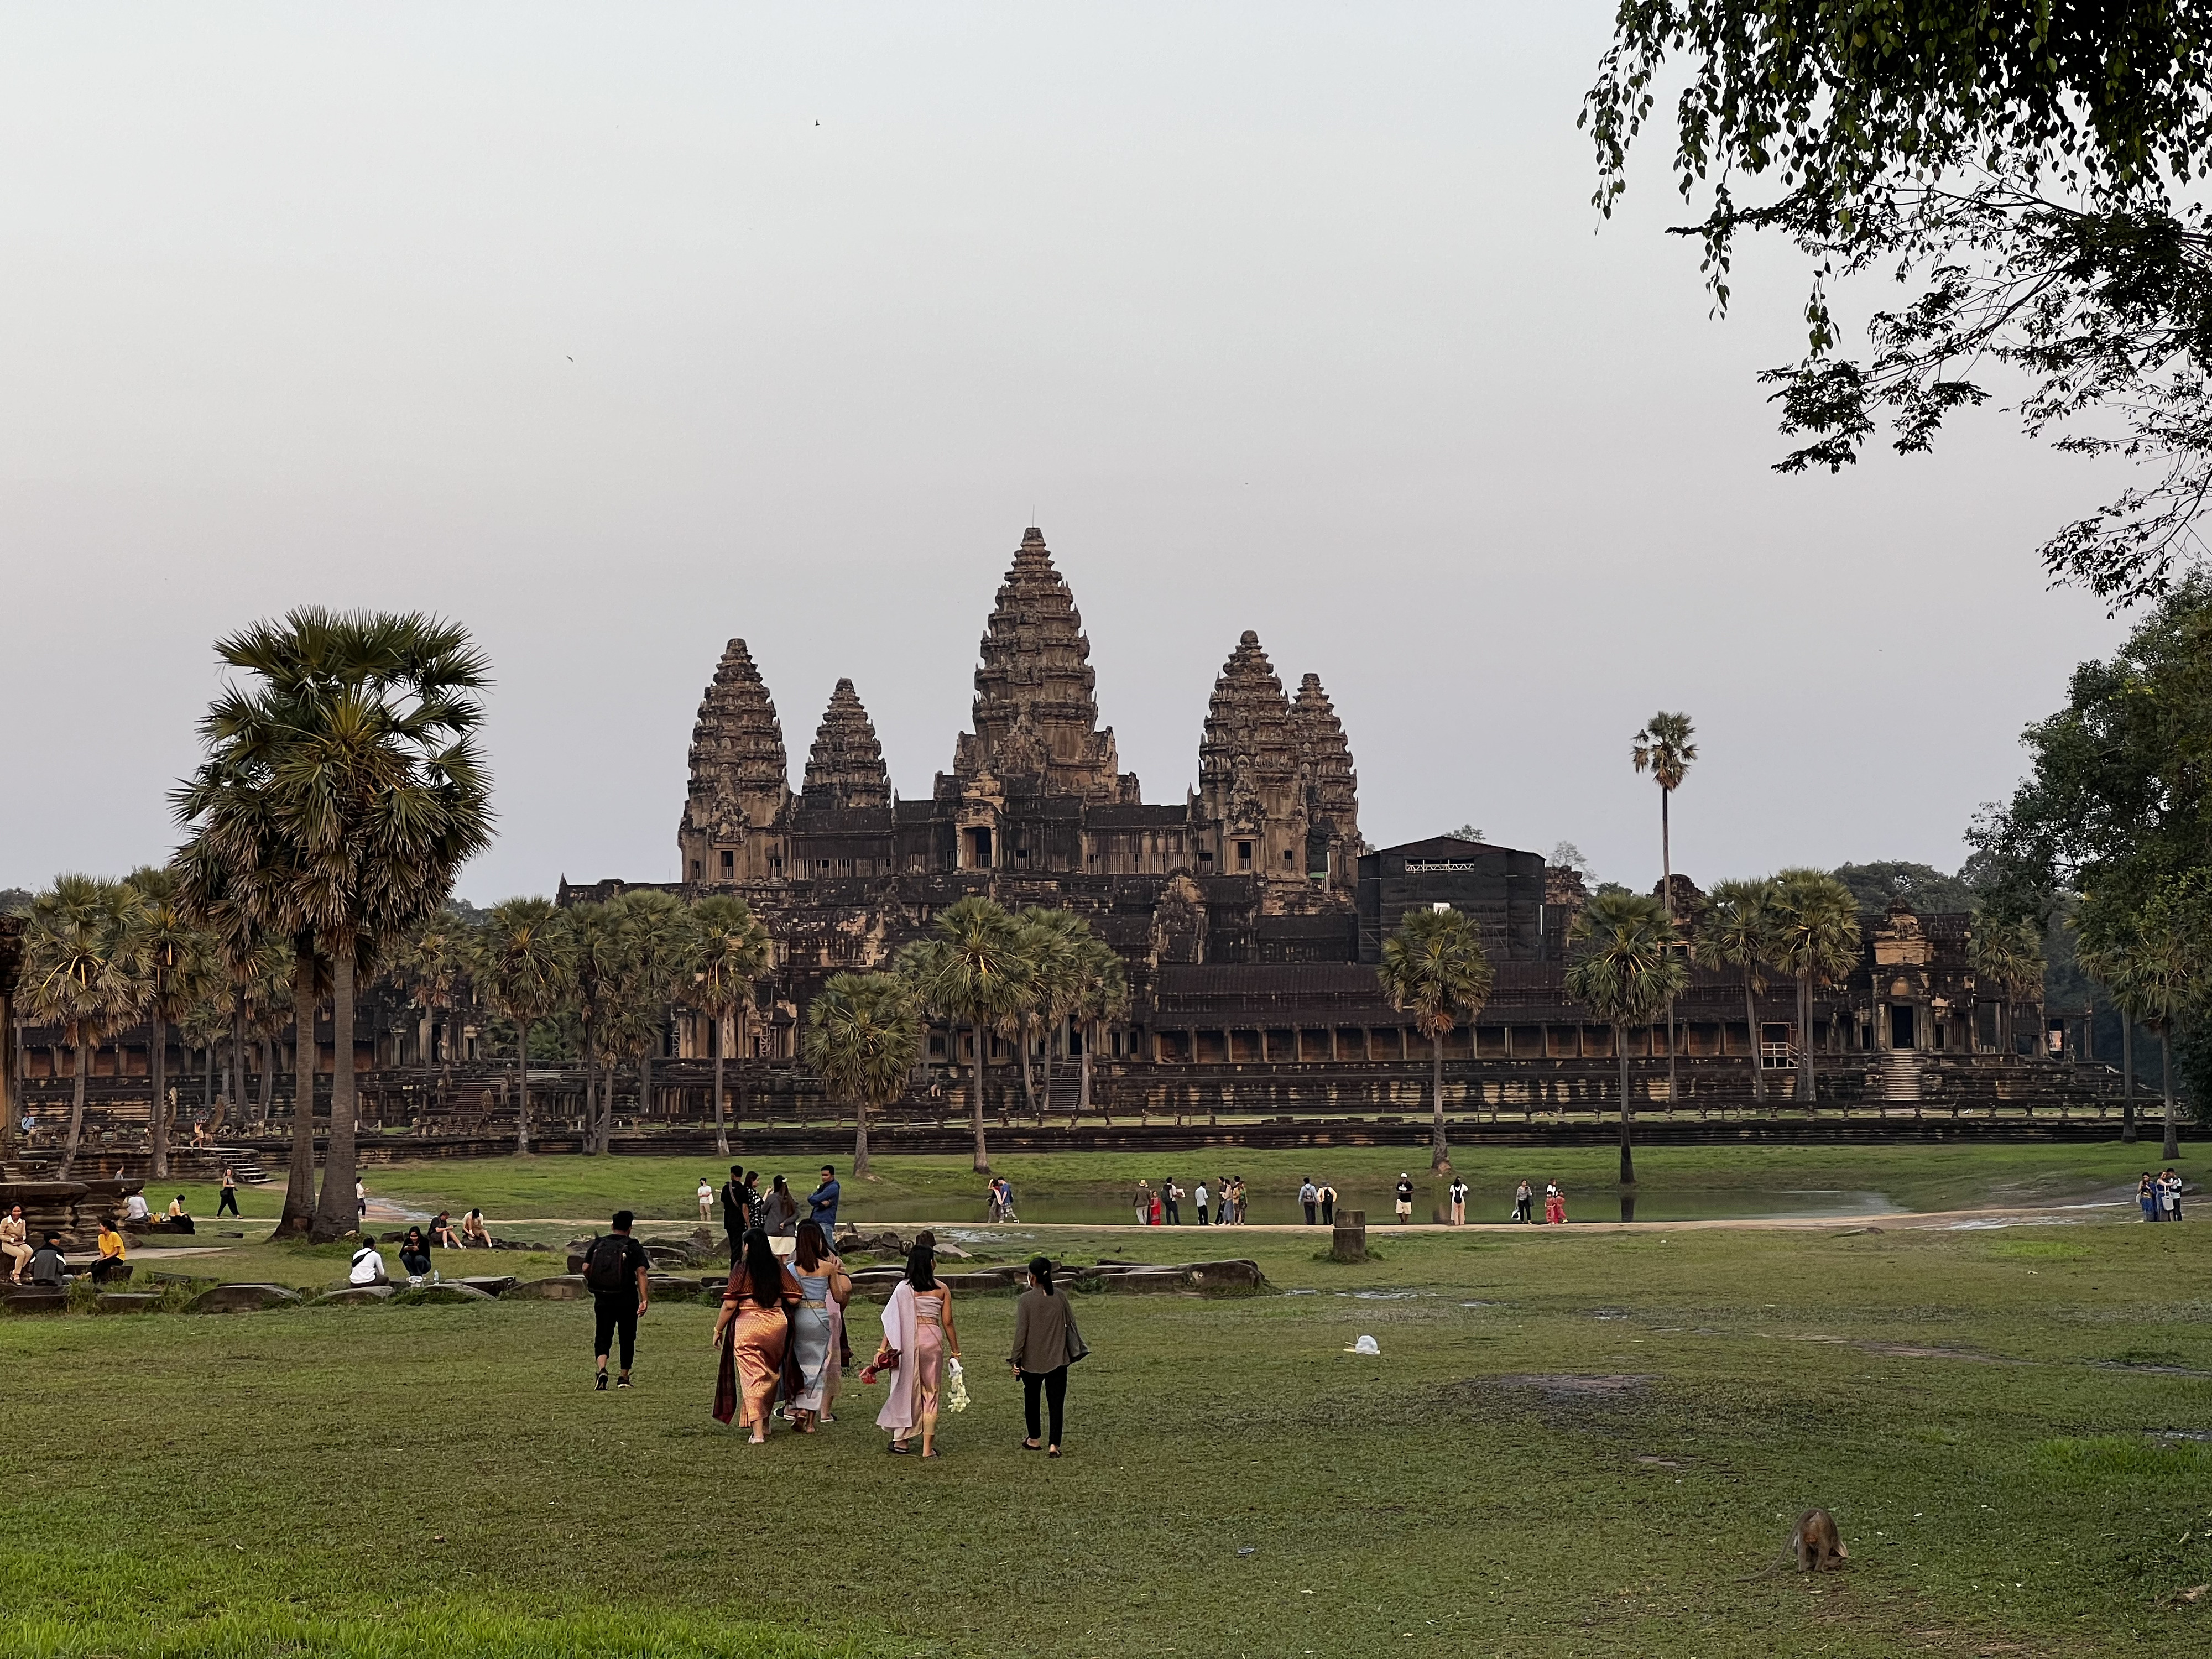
1900 1077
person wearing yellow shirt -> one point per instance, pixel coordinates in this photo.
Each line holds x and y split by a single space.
111 1253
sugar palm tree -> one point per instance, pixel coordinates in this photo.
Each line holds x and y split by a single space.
341 792
2009 956
431 961
973 970
1664 750
2152 956
732 955
2110 961
664 955
522 966
1434 968
863 1032
1816 942
1626 966
84 969
1737 930
1102 994
600 954
172 947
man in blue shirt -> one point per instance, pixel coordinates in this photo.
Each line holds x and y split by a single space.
822 1204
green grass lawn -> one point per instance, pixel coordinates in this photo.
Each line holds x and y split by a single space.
1586 1443
1912 1177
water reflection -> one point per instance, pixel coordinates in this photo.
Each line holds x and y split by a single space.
1110 1205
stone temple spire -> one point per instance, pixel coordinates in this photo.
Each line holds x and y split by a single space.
1036 712
1332 786
846 769
1249 776
740 776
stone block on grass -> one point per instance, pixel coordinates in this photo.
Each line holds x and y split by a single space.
30 1299
565 1287
451 1293
244 1298
354 1296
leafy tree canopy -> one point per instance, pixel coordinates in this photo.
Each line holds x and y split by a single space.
1877 886
2031 174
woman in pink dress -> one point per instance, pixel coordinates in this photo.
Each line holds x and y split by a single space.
752 1331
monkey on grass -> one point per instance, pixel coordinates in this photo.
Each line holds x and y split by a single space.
1815 1542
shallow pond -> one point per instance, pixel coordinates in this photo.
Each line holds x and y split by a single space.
1114 1206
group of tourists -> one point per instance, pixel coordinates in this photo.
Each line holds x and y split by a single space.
2160 1195
775 1212
784 1349
415 1247
1220 1205
998 1199
47 1266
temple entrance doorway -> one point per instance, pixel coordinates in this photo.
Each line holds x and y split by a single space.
1900 1025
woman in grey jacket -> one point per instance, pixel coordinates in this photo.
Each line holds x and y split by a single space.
1045 1340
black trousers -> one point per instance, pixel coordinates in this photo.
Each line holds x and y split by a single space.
1328 1212
228 1203
616 1314
1310 1215
1054 1385
737 1247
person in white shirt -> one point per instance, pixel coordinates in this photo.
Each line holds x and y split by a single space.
706 1201
134 1208
1201 1196
368 1267
1458 1190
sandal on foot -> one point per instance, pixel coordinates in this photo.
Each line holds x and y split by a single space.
897 1450
1032 1445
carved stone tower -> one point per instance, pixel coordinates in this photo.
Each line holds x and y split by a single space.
1332 788
845 771
740 780
1036 710
1250 782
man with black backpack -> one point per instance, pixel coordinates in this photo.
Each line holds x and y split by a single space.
614 1272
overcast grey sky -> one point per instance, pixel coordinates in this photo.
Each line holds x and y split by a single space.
616 332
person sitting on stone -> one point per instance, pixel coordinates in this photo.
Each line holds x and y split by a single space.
441 1232
111 1264
179 1219
475 1235
14 1242
135 1213
49 1266
415 1253
368 1266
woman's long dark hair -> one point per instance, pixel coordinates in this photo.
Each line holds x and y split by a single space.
920 1262
1041 1270
811 1246
764 1273
414 1240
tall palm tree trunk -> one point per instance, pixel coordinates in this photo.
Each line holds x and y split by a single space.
1439 1147
1809 1086
1751 1025
591 1092
1029 1080
2166 1081
80 1064
299 1214
1047 1107
157 1074
211 1103
1627 1153
235 1093
859 1138
2127 1077
644 1084
268 1075
1666 888
337 1214
721 1134
975 1102
1083 1074
522 1086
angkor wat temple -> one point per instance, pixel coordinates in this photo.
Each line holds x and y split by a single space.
1250 915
